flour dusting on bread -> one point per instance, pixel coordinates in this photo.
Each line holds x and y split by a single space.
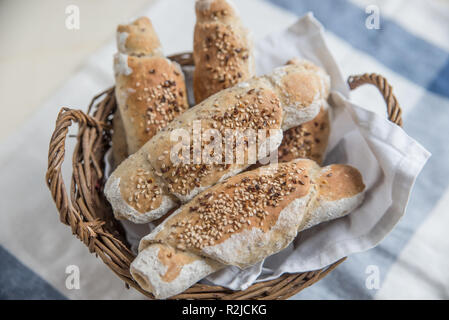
121 65
122 210
247 218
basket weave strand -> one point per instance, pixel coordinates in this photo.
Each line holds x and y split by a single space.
90 216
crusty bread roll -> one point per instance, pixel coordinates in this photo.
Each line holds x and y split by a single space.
138 39
242 221
119 146
308 140
290 96
150 89
222 49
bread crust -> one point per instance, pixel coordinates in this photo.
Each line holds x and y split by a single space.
149 97
308 140
138 39
222 49
233 223
150 89
165 271
119 145
136 193
224 111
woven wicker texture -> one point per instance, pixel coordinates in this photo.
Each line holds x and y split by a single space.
89 214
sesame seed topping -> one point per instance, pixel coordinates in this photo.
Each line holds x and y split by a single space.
145 193
243 113
303 141
230 52
251 202
163 102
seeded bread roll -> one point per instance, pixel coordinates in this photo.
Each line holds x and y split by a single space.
242 221
222 49
119 146
270 103
138 195
290 96
308 141
138 39
150 89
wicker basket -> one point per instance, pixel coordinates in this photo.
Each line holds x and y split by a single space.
89 214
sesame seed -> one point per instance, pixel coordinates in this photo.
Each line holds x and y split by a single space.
220 214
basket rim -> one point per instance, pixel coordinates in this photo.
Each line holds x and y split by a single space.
102 236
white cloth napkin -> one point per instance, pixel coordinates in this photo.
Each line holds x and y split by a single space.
387 157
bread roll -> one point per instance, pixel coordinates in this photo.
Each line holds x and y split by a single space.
308 140
119 146
150 89
242 221
222 49
288 97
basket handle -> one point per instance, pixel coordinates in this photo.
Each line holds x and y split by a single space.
56 153
393 108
